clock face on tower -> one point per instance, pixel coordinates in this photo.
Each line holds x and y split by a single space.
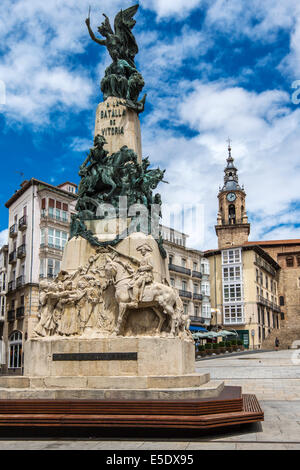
231 197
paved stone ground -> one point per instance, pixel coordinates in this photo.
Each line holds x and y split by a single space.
272 376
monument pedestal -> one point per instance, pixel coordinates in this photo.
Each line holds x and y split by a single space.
109 357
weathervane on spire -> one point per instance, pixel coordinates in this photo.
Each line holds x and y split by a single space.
229 146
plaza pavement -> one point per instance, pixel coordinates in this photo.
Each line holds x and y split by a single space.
272 376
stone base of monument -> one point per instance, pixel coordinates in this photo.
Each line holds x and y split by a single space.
228 408
91 371
144 382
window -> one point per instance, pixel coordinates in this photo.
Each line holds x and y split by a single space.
233 314
206 310
196 288
51 208
170 259
205 288
186 308
172 281
57 238
51 237
50 268
3 281
231 256
195 266
43 237
53 267
15 350
232 273
43 211
232 293
42 267
267 282
281 301
257 275
2 305
289 261
298 260
183 262
205 266
183 284
196 311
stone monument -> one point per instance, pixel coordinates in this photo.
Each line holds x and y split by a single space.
111 327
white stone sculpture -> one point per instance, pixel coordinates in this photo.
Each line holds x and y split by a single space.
97 298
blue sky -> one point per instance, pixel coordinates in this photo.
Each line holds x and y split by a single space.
213 69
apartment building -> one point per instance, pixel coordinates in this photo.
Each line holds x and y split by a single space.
39 218
245 292
189 273
3 286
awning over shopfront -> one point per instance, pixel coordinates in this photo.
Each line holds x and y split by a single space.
198 328
213 334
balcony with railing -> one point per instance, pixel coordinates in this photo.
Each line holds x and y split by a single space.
179 269
44 246
21 253
185 294
46 216
47 276
12 258
264 265
20 312
197 296
20 281
23 223
11 286
268 303
198 320
11 315
13 230
276 308
197 274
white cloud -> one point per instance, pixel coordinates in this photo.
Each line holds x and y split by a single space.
79 144
265 147
165 8
284 232
3 237
256 19
39 38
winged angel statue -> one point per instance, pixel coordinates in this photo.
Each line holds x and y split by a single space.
121 79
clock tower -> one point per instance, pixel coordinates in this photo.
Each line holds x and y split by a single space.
232 227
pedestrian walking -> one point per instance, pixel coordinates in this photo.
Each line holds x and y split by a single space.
276 343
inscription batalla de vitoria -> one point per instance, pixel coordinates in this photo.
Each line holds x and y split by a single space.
113 115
